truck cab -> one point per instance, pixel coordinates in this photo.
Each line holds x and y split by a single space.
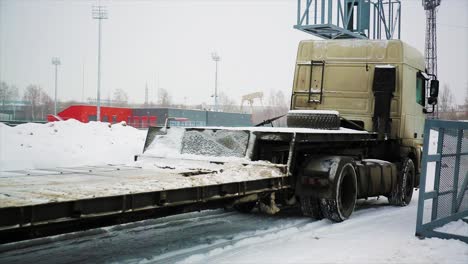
377 85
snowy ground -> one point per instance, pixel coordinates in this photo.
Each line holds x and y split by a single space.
376 232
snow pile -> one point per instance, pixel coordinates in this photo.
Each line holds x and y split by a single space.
168 145
204 172
67 143
457 228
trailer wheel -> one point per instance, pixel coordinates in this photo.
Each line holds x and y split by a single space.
342 206
309 120
245 207
311 207
402 194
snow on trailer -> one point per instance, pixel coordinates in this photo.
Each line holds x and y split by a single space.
39 203
41 186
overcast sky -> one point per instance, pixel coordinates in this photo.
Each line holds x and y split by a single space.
169 44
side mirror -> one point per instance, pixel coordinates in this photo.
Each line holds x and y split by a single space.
434 89
432 100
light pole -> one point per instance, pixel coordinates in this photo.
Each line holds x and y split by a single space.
99 13
56 63
216 58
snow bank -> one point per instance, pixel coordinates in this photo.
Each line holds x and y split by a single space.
457 228
67 143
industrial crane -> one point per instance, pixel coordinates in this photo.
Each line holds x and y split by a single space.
430 51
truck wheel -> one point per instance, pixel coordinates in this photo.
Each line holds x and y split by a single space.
311 207
342 206
402 194
310 120
245 207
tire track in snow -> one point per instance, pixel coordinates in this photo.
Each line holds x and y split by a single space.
221 243
171 238
367 212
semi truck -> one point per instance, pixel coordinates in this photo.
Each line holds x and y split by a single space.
354 130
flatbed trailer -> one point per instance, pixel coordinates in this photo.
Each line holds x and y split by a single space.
44 202
47 214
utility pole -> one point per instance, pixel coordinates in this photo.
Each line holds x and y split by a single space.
216 58
56 63
146 94
83 85
99 13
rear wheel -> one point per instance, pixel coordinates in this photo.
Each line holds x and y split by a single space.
402 194
313 120
342 206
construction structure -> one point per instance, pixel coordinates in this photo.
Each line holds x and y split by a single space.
249 98
358 19
430 51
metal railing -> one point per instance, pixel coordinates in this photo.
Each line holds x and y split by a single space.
361 19
443 194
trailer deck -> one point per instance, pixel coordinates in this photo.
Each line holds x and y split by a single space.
36 203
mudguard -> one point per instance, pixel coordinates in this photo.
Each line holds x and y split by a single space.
317 176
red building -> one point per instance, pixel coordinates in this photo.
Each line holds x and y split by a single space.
86 113
154 116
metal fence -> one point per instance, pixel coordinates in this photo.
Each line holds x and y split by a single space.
443 194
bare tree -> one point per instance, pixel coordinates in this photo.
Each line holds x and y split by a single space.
8 93
32 95
40 103
46 105
120 97
446 99
277 105
465 105
164 98
226 103
446 105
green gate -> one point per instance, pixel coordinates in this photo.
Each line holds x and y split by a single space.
443 194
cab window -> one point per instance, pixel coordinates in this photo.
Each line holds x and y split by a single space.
420 91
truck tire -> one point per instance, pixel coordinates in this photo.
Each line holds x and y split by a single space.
311 207
245 207
310 120
402 194
342 206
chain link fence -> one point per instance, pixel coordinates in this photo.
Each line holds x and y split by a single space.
443 195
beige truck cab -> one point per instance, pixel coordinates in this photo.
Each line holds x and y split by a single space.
379 85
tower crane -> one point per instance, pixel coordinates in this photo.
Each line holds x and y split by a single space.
430 51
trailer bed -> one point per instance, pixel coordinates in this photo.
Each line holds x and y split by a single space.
36 203
39 186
